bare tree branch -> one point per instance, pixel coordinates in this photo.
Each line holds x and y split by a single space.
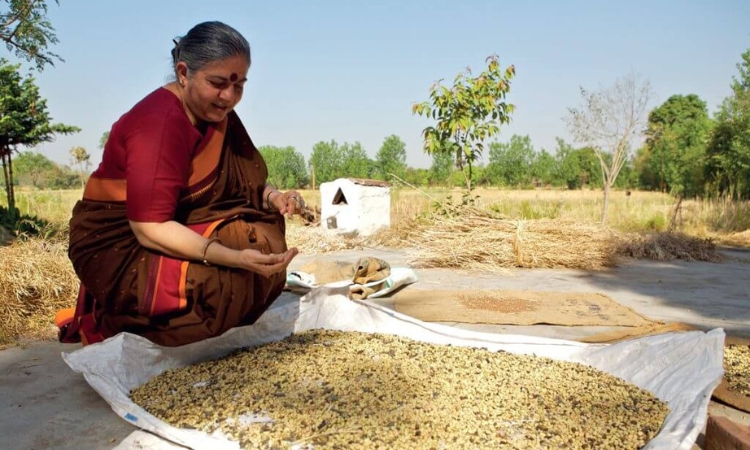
609 121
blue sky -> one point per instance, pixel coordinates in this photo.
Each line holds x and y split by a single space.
350 70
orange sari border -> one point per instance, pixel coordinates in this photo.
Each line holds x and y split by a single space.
105 190
203 169
207 160
166 285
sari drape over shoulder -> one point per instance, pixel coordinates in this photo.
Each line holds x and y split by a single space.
126 287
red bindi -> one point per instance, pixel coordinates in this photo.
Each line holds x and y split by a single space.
233 77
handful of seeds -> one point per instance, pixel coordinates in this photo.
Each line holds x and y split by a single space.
327 389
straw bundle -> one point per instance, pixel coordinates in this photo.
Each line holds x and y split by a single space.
478 239
669 246
36 279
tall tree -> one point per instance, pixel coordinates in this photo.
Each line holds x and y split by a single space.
355 162
417 177
31 168
391 158
467 114
441 168
728 152
34 169
608 122
286 167
676 140
510 162
544 168
25 29
327 161
25 120
80 157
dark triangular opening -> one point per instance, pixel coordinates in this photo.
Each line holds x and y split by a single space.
339 198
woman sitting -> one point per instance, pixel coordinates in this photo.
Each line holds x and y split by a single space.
178 237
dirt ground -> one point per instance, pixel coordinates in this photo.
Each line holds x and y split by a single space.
45 405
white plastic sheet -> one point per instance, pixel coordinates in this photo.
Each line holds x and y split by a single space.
681 369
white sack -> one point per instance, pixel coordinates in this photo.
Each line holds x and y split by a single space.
681 369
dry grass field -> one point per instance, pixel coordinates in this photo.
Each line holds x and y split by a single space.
534 228
723 220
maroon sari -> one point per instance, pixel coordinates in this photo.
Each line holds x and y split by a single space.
126 287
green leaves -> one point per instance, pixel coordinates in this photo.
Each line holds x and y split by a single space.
24 27
676 145
391 158
332 161
286 167
25 118
468 113
728 152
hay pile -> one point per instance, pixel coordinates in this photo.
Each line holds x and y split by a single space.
669 246
477 239
481 240
316 240
36 280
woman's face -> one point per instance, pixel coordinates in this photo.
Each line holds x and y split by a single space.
213 91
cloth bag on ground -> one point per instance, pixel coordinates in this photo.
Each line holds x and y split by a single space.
320 272
370 277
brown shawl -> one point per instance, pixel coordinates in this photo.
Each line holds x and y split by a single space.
126 287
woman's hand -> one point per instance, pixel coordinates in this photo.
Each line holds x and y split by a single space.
289 203
266 265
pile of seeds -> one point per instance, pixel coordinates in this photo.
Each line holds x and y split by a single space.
737 368
348 390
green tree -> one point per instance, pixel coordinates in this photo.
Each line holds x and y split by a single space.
544 168
676 139
32 169
25 29
609 121
567 164
81 158
25 120
441 168
355 162
35 169
326 161
467 114
510 162
576 168
728 152
645 176
286 167
391 158
417 177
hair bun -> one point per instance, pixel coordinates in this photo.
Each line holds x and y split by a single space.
176 51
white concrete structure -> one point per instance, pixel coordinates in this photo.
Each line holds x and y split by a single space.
352 205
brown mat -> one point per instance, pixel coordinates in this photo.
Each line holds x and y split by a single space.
722 392
516 308
650 329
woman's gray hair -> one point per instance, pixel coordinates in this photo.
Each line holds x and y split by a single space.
208 42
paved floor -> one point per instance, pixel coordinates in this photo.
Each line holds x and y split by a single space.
45 405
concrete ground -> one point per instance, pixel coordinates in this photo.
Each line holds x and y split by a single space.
45 405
